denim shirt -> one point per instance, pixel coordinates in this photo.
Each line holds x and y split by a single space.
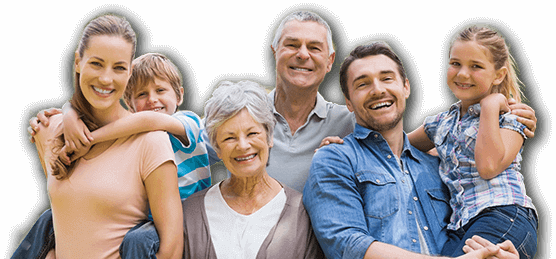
357 193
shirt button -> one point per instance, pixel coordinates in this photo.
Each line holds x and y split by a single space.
414 240
406 172
415 198
377 181
426 228
389 156
376 135
410 212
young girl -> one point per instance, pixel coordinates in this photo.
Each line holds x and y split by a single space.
481 149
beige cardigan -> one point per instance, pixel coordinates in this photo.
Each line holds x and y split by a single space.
292 237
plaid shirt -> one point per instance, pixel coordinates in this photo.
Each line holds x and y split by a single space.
469 193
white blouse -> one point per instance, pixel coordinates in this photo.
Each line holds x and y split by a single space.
235 235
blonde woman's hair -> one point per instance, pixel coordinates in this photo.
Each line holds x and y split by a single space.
492 41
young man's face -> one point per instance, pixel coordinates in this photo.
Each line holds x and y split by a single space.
377 92
158 96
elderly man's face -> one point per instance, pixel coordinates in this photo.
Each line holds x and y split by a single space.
301 55
377 92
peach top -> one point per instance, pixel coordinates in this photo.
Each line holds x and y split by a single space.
105 196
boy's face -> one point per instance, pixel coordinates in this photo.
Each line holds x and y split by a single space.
158 96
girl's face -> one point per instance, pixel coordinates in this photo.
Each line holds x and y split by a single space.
104 71
471 72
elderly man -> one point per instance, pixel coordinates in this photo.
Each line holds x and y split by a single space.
375 196
304 53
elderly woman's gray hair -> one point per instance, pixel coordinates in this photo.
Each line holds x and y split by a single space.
230 98
304 16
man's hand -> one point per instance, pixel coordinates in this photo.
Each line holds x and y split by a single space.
330 140
506 250
43 117
526 115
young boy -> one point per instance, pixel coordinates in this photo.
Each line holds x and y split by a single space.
154 93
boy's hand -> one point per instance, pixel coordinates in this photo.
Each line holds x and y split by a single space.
76 133
495 101
43 117
68 156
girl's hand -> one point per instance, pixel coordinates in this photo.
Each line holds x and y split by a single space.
507 249
495 101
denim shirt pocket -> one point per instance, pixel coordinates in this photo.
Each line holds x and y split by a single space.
440 202
379 192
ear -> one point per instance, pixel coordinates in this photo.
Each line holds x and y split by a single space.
500 75
407 88
330 61
273 51
181 96
77 60
348 104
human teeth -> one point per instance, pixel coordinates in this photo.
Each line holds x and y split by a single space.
245 158
380 105
156 109
102 91
301 69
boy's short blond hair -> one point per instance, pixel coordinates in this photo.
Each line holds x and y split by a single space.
145 69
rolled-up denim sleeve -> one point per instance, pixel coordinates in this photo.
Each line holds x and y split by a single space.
335 206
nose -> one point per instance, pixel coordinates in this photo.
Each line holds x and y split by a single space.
152 98
303 53
106 78
243 143
463 72
378 89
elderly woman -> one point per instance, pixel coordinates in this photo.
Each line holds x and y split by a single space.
250 214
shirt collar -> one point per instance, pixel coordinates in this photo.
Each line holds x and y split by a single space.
319 109
473 110
361 133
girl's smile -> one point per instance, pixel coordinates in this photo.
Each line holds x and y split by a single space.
471 73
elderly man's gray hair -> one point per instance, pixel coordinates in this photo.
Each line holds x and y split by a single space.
230 98
304 16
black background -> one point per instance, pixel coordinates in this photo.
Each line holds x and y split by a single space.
211 42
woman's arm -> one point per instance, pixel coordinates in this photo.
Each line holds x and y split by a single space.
140 122
495 148
166 209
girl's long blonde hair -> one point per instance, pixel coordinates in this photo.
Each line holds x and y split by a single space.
501 57
110 25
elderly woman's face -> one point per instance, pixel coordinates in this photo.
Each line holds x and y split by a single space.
243 145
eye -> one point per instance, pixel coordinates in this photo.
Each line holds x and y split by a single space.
121 68
160 90
140 94
477 66
455 64
252 134
96 64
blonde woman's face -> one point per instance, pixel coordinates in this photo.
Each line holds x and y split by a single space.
104 70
